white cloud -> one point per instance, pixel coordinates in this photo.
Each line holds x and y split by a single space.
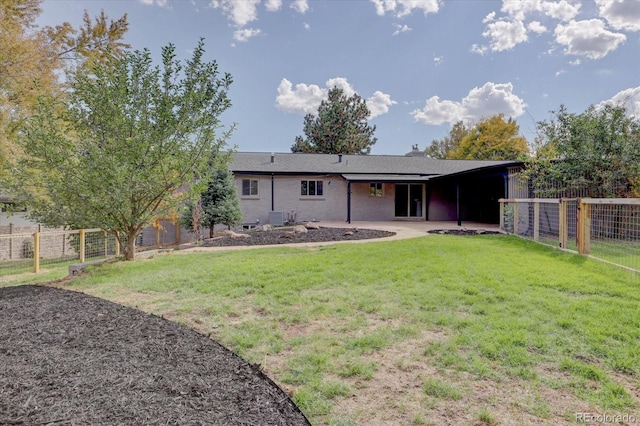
401 29
479 49
437 60
273 5
563 10
588 38
379 104
489 18
245 34
512 28
536 27
505 35
485 101
300 6
621 14
243 12
239 12
438 112
306 26
161 3
305 99
405 7
629 98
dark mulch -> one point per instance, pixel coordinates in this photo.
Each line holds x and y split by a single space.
463 232
285 236
72 359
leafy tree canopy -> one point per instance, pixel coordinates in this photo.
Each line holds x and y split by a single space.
118 150
595 153
340 127
443 148
492 139
32 58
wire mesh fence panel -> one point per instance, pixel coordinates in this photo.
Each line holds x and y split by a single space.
547 228
507 219
572 223
615 234
59 247
16 254
99 244
606 229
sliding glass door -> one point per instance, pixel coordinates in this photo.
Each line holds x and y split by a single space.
409 200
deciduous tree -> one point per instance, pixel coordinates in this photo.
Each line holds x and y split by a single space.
442 148
118 150
32 59
341 127
595 153
492 139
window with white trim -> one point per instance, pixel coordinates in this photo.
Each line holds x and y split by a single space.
249 187
376 189
311 188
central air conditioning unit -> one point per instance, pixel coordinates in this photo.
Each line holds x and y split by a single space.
276 218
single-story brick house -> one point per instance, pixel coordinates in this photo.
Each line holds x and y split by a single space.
276 187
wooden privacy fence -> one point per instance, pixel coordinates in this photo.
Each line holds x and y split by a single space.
604 228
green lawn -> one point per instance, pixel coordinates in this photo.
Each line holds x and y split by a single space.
466 330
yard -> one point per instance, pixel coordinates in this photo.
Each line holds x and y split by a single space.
434 330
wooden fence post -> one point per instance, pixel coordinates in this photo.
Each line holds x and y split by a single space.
515 217
536 220
106 244
36 252
117 245
157 232
81 247
563 225
10 242
177 225
501 201
584 227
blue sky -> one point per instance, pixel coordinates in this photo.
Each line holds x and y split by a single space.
421 65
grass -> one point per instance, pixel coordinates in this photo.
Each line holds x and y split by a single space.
469 313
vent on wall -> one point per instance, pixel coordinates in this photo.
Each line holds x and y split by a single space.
276 218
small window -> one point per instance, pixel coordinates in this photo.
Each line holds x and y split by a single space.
311 188
375 189
249 187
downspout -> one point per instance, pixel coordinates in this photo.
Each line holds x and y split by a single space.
272 194
458 203
349 201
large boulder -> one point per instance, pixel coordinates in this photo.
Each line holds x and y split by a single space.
311 225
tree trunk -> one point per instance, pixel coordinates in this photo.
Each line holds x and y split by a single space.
211 230
131 245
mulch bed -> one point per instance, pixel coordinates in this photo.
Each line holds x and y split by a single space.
463 232
285 236
72 359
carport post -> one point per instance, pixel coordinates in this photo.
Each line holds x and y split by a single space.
348 201
458 203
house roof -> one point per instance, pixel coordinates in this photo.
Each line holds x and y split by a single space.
351 165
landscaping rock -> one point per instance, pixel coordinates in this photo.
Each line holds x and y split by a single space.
311 225
300 229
